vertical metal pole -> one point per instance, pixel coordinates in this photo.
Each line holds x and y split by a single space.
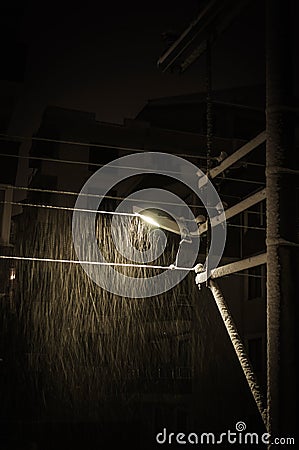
282 258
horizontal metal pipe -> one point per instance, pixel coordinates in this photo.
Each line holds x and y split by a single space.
231 159
234 210
237 266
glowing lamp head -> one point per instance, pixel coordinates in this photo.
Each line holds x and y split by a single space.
149 220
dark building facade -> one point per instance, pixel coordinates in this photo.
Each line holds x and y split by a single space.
183 374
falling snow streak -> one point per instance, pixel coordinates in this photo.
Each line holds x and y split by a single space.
83 347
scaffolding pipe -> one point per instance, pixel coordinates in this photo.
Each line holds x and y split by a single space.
282 262
232 159
239 348
234 210
228 269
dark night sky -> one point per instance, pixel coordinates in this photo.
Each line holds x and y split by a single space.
102 57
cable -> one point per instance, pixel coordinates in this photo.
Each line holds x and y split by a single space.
88 144
245 226
96 263
244 181
113 197
85 144
252 275
147 266
68 161
115 213
65 208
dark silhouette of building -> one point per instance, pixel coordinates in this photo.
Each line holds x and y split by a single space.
183 387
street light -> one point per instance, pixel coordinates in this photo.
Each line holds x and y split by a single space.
162 221
149 220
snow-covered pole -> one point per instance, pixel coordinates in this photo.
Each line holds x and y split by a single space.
238 347
282 250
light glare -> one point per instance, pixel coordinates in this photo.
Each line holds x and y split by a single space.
149 220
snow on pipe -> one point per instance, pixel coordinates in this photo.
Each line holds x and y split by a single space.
233 158
234 210
230 268
239 348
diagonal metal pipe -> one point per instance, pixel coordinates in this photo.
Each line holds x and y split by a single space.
239 348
